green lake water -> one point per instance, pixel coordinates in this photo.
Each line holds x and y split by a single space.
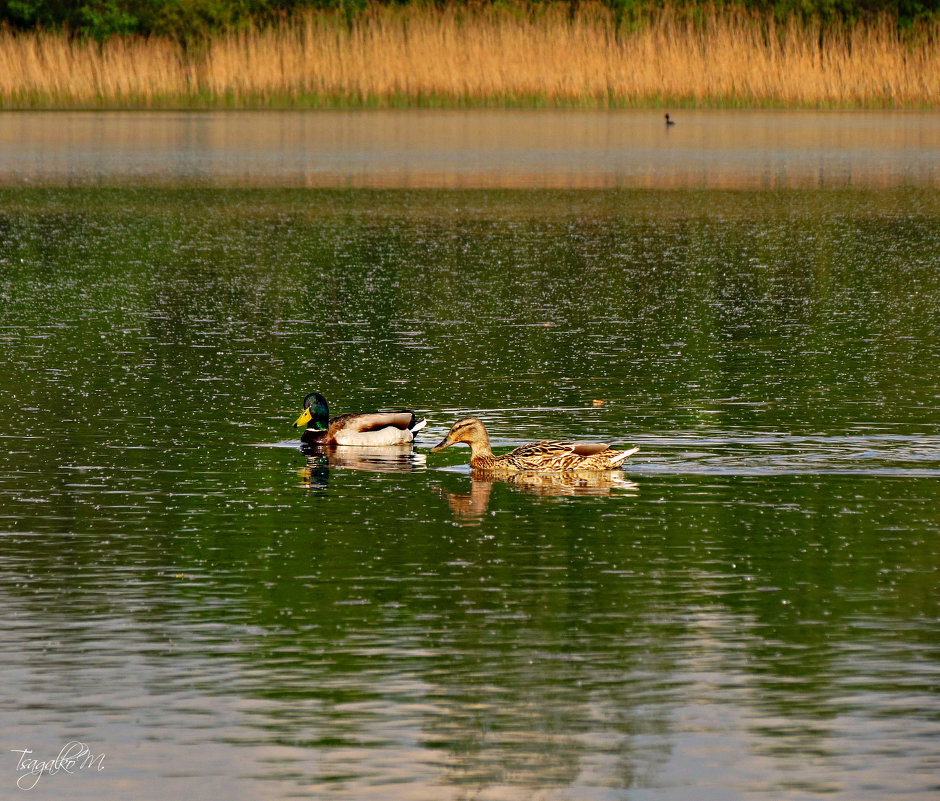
748 612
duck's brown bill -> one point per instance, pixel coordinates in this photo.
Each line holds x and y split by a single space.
441 445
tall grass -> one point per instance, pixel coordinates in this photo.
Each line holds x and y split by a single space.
489 56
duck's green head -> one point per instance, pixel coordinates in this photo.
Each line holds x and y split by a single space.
316 413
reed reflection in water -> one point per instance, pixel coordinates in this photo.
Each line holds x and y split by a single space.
478 149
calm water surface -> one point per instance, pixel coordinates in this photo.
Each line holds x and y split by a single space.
477 149
748 612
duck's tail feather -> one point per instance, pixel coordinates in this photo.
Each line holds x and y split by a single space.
621 456
416 425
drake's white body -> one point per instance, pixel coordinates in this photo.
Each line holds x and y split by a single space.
390 435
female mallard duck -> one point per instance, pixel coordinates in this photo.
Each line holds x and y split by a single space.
379 428
539 457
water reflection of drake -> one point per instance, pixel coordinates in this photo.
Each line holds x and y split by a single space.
382 459
471 507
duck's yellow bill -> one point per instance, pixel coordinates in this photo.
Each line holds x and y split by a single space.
305 418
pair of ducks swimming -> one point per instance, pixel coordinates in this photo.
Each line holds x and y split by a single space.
399 428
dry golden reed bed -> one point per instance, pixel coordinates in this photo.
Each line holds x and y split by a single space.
450 56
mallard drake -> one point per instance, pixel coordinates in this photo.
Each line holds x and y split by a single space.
539 457
378 428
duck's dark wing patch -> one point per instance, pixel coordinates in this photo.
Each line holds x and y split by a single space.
588 448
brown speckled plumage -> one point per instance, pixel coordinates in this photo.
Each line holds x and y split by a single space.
547 457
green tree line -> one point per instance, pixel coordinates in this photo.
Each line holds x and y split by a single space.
186 20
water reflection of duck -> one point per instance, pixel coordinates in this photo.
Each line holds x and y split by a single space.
387 459
472 507
569 483
539 457
369 430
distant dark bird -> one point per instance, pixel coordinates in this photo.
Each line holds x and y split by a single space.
669 121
